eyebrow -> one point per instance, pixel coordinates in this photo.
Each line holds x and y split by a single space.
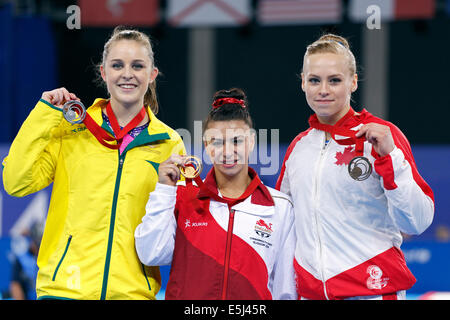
330 76
228 138
120 60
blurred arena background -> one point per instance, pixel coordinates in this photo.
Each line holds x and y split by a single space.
401 47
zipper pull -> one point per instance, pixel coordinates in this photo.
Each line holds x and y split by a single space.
325 141
120 163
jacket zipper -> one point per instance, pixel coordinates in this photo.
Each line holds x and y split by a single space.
145 276
227 254
111 228
62 257
316 203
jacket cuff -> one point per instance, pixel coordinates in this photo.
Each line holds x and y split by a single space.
49 104
384 166
165 189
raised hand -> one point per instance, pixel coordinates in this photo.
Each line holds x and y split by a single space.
58 97
169 171
379 136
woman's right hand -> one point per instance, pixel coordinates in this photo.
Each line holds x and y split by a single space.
169 171
58 97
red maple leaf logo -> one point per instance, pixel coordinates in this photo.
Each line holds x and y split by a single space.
345 157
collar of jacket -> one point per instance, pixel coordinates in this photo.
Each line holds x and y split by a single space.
156 129
255 200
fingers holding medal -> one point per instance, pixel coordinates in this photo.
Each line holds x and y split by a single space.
58 97
192 167
379 136
72 108
171 170
382 142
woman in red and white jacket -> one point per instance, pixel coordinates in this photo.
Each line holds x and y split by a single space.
229 236
355 188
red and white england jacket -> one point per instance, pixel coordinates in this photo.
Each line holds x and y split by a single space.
349 232
240 249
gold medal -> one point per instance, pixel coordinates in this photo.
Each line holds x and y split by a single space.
192 167
359 168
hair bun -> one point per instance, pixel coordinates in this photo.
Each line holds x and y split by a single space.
231 93
229 105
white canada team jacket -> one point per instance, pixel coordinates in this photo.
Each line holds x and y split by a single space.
349 232
219 250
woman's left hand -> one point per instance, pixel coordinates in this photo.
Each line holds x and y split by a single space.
379 136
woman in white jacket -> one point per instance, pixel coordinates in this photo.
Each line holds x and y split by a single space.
229 236
355 188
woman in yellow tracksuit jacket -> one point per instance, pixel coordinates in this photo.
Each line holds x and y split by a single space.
99 194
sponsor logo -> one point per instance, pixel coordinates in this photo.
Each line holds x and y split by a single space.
77 129
189 224
376 279
263 229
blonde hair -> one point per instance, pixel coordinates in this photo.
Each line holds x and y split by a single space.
331 43
122 33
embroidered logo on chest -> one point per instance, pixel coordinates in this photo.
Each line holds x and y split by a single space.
344 158
263 229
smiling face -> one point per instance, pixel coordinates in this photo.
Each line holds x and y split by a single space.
127 72
328 84
228 144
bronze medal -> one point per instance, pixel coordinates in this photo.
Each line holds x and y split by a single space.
74 111
359 168
192 167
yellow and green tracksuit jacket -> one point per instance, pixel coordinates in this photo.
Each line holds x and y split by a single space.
98 199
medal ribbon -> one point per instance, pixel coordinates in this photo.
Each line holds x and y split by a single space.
337 130
120 133
99 133
210 192
102 136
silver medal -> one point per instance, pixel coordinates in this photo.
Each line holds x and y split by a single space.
74 111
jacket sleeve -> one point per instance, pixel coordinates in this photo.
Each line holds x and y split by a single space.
282 183
283 272
155 236
410 199
31 162
283 180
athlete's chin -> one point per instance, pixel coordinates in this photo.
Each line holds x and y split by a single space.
229 170
324 110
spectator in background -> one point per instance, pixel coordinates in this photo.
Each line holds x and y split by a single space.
24 265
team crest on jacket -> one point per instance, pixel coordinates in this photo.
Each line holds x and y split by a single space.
376 280
344 158
263 229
